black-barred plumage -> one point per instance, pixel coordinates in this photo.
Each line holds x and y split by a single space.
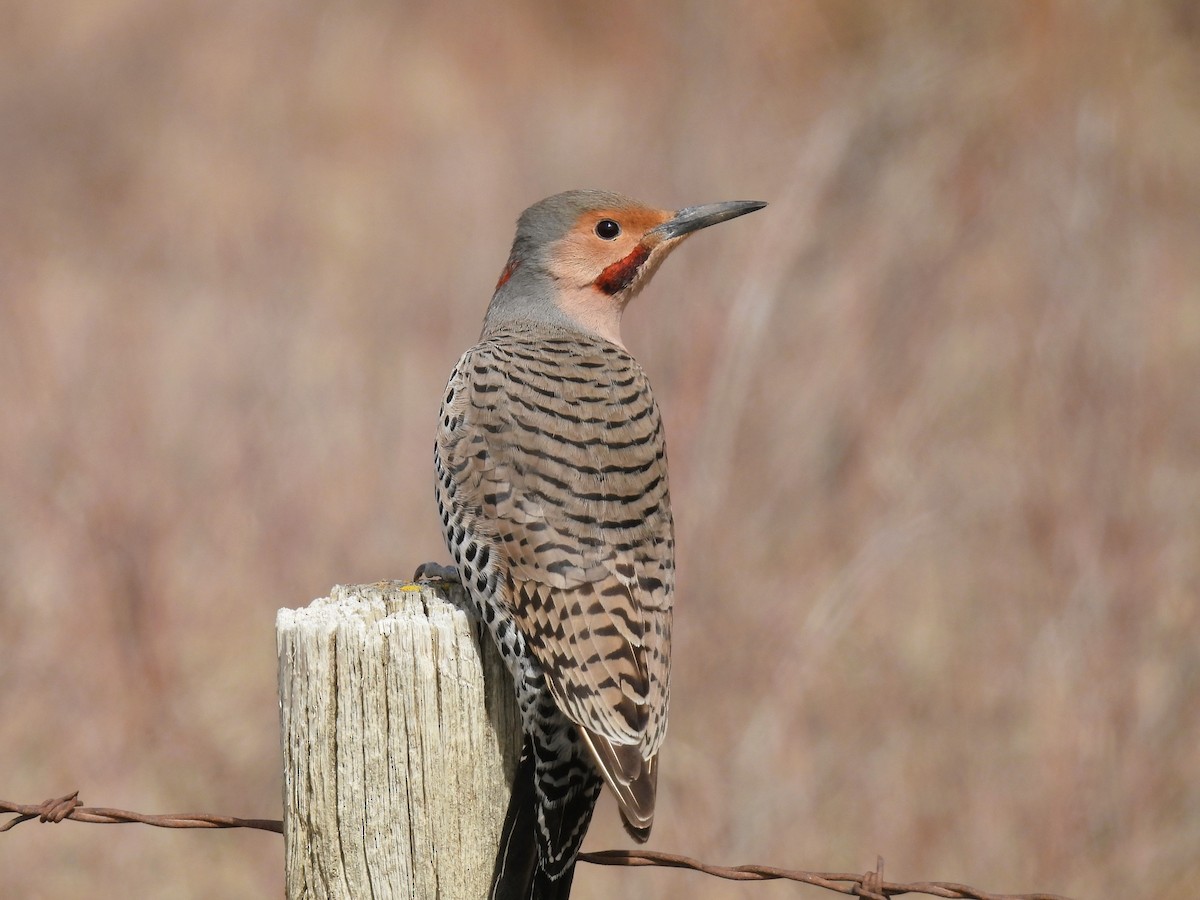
554 500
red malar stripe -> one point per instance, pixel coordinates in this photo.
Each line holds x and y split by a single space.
620 274
513 265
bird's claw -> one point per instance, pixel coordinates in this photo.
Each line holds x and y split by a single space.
430 571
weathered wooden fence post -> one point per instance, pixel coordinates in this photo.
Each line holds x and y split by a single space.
397 750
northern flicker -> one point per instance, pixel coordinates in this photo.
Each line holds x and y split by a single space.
552 490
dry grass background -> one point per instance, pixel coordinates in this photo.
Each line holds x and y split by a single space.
934 414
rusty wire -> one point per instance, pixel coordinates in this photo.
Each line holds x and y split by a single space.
69 807
869 885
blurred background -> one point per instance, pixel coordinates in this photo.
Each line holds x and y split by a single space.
934 415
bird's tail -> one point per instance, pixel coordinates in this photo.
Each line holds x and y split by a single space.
516 860
533 864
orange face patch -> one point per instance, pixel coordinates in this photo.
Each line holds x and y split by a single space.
584 259
634 220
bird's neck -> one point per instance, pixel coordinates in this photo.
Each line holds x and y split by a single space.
545 304
594 312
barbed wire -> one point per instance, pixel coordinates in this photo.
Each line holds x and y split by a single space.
869 885
69 807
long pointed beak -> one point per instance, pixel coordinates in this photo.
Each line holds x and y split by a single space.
693 218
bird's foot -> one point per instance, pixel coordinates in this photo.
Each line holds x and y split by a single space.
436 572
449 575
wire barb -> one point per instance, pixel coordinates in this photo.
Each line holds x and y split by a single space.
870 885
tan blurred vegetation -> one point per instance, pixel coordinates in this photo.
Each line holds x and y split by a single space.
933 415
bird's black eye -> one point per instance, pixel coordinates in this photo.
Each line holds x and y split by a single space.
607 229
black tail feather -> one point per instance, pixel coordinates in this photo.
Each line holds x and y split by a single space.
518 873
546 888
516 860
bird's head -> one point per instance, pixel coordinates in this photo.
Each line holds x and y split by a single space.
579 257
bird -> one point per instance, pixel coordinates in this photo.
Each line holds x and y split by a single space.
554 502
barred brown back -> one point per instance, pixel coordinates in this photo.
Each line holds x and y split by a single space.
552 463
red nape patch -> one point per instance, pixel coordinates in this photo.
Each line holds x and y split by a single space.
620 274
513 265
